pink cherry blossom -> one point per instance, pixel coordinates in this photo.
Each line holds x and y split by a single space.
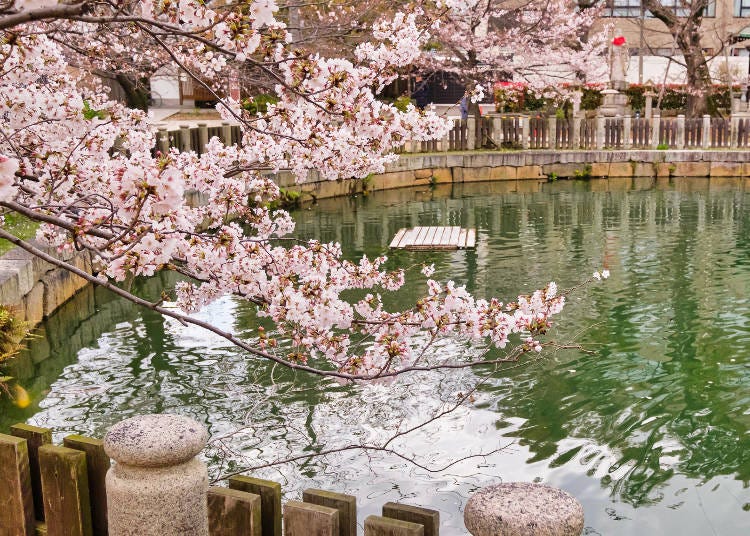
90 175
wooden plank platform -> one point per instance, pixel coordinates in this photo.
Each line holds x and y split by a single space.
434 238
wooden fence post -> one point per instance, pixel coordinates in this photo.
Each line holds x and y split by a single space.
16 500
157 486
680 141
65 487
305 519
270 501
385 526
429 519
35 437
706 131
232 512
734 127
97 465
345 504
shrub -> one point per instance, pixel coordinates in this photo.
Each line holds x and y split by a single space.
259 103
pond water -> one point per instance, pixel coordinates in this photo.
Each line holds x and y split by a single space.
650 430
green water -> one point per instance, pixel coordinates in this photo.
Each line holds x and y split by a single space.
651 431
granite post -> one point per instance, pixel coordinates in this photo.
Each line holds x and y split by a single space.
186 142
600 132
680 132
706 142
162 140
157 487
627 134
523 508
649 106
552 132
655 130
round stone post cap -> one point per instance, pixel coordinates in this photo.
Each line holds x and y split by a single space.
523 509
155 440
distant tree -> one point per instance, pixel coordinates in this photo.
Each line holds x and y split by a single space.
684 19
546 44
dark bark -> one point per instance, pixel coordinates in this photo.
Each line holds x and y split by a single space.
686 33
136 91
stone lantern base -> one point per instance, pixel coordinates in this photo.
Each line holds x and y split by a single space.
614 103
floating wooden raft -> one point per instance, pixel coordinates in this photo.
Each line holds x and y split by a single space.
434 238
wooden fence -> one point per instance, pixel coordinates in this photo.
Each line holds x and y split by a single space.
60 491
523 132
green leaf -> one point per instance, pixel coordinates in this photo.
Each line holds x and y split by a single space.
90 114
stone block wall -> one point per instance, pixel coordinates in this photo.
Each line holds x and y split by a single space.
33 289
538 165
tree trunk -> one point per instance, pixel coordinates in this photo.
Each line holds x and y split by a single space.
698 75
136 91
686 33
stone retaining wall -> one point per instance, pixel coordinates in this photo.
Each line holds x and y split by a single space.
439 168
33 289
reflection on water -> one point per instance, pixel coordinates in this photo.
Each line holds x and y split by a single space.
651 430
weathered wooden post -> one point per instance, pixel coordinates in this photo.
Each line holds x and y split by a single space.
65 489
35 437
305 519
385 526
680 141
428 518
157 487
270 500
734 128
706 131
346 505
97 465
523 508
232 512
17 512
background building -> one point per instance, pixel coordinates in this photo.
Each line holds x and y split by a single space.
724 32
